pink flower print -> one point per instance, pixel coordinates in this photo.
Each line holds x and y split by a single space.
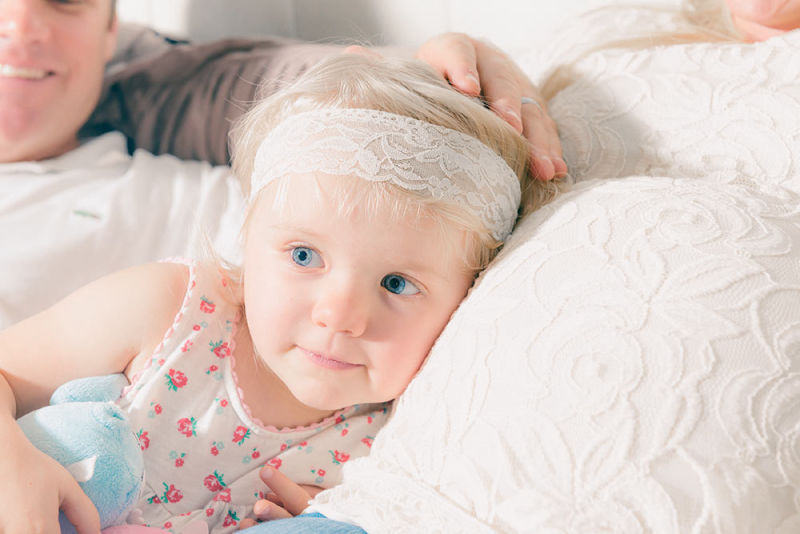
231 519
223 402
240 434
367 441
214 450
220 348
168 524
171 494
344 432
209 512
214 482
255 454
187 344
276 463
155 499
224 495
339 457
179 460
186 426
303 443
196 327
144 439
339 419
321 472
369 419
175 380
206 306
284 446
155 409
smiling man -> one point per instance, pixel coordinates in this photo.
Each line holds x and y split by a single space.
52 56
71 208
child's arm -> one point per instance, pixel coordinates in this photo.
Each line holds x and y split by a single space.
99 329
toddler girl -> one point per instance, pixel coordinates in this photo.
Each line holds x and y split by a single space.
376 195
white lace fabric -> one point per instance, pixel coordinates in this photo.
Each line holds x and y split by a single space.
377 146
630 362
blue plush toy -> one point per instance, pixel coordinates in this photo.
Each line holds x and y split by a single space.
85 432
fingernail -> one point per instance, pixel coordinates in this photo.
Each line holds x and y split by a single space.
513 118
545 170
266 471
511 113
474 79
260 507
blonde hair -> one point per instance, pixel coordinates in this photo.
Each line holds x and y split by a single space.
404 87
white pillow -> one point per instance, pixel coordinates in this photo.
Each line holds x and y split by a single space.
631 361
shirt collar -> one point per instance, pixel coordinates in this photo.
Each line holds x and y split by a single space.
104 151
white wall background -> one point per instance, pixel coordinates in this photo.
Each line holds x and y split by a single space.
508 23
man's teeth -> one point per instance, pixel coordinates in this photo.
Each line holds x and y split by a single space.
10 71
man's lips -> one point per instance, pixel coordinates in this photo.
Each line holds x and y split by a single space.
327 361
24 73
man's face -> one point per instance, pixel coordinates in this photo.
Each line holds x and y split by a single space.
52 55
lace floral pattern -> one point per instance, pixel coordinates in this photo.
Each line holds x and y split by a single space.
631 361
383 147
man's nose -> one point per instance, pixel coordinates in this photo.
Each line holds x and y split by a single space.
343 309
23 20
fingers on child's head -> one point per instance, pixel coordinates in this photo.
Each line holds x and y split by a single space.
363 51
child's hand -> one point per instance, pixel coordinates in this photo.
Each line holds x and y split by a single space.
35 487
286 500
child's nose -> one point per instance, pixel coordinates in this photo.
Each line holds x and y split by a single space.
342 309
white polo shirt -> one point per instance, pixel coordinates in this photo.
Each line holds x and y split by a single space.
70 220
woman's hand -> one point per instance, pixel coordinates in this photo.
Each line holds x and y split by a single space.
476 68
286 500
35 487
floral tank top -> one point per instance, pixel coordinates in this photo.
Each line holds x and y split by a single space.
202 449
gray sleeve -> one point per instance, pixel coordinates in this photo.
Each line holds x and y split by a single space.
182 98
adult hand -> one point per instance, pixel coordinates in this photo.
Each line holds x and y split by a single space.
476 68
286 500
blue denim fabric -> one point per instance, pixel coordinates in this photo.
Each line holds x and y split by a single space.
313 523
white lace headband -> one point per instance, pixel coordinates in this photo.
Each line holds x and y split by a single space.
383 147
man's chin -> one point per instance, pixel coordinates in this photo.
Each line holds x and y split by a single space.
18 146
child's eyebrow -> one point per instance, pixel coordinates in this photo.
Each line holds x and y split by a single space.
301 229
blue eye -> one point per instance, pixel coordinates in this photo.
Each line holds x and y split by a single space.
394 283
305 257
